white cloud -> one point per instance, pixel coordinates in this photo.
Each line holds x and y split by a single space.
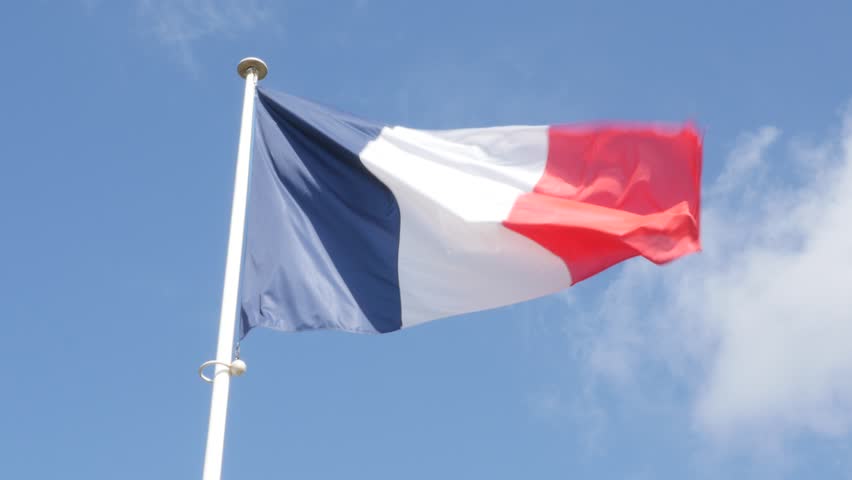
759 325
745 158
179 24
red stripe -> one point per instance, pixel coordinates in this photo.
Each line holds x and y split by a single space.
611 193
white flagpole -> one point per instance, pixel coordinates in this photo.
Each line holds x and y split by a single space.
252 69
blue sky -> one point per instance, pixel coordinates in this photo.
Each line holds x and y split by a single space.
120 123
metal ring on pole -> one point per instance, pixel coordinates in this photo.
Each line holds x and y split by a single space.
235 368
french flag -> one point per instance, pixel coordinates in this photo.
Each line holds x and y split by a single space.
357 226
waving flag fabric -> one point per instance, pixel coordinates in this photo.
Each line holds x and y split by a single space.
364 227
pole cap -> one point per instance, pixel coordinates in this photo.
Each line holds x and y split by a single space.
252 62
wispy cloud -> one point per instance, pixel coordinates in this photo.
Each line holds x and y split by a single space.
180 24
758 327
745 159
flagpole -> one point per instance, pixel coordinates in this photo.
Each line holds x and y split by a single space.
252 69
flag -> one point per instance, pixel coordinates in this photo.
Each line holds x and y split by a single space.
357 226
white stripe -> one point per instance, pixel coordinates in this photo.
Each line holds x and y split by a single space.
454 189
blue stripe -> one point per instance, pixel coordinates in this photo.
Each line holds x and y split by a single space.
322 233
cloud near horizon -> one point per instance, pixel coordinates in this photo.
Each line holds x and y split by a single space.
758 326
